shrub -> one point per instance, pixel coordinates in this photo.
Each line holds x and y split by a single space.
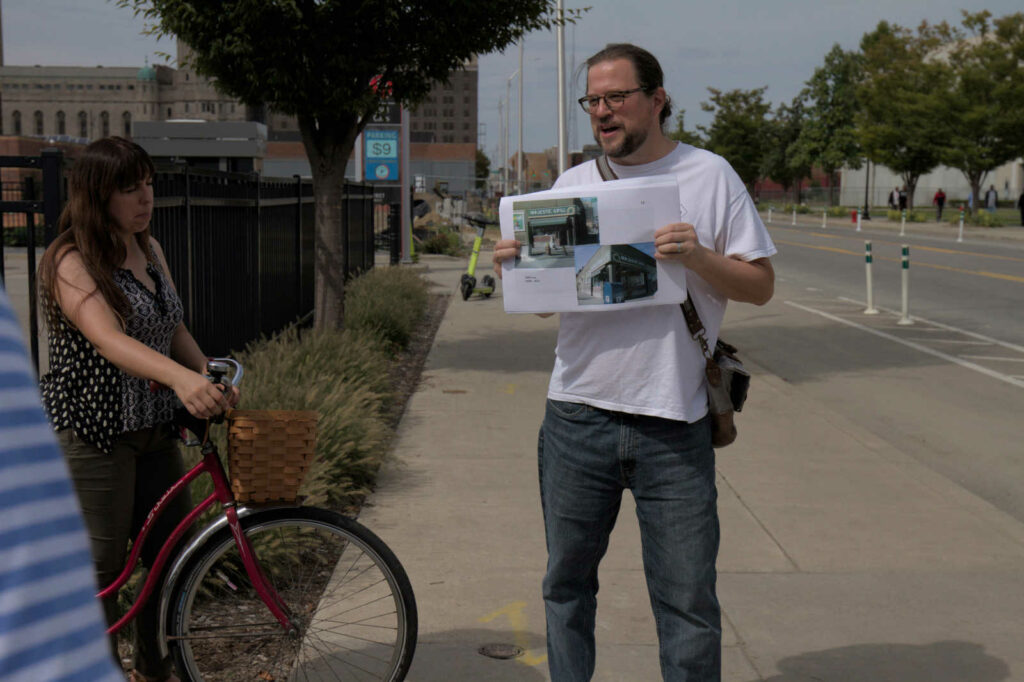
913 216
800 208
445 241
388 302
981 218
18 236
342 375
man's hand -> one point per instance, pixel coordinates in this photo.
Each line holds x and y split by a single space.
677 242
504 250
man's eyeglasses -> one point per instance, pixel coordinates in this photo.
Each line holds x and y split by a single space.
612 100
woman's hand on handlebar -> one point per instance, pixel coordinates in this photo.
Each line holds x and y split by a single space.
504 250
201 397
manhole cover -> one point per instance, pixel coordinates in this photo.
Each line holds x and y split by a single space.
501 650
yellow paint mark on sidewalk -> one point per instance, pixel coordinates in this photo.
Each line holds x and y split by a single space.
510 389
517 619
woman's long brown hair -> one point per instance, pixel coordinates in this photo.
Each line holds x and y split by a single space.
85 225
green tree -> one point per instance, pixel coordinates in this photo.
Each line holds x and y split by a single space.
901 119
984 101
738 129
828 137
780 162
483 168
329 62
681 134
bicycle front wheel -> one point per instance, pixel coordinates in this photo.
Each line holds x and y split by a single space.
350 601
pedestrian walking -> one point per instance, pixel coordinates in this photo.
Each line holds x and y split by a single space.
991 199
939 200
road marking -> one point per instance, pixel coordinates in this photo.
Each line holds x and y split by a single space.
517 619
919 247
991 357
916 346
973 335
960 341
916 264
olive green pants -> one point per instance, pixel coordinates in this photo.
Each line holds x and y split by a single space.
117 491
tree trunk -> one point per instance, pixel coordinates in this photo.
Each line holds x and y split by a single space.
328 145
976 179
910 180
330 257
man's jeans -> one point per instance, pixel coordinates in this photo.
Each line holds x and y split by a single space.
586 457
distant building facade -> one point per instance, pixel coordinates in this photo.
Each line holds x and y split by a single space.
79 104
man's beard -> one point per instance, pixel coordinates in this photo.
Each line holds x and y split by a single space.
631 141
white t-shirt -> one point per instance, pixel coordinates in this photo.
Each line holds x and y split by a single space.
643 360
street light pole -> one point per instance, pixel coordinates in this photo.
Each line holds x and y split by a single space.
508 127
866 215
563 159
520 171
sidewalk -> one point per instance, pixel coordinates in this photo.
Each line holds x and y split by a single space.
841 558
1011 232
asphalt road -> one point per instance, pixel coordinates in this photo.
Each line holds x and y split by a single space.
947 389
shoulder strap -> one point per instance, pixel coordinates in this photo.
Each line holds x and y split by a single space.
605 168
693 322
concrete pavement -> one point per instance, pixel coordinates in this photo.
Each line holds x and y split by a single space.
842 558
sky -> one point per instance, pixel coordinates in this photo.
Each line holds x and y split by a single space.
725 44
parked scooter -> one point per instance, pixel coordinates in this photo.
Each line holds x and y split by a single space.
467 284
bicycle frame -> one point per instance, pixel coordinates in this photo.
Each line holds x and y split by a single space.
210 464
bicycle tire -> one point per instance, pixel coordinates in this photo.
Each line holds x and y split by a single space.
324 566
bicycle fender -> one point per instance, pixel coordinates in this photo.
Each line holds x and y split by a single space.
182 559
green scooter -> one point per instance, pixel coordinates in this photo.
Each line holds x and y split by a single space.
467 285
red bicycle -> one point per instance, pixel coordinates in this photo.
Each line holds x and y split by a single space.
283 592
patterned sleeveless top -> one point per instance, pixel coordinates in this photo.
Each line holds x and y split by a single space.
86 392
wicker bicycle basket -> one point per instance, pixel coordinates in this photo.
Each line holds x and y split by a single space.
269 452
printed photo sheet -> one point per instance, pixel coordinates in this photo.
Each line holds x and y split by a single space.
590 248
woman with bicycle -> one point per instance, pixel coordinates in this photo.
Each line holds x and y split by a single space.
115 324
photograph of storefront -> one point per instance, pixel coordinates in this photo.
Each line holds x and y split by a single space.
550 230
615 273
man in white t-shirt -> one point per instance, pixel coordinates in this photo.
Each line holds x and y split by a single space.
627 405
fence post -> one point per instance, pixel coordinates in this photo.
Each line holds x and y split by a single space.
189 248
960 232
903 222
794 216
905 264
769 215
824 219
29 194
394 231
259 253
53 191
870 310
858 220
298 242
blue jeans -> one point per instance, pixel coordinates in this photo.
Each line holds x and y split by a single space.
587 456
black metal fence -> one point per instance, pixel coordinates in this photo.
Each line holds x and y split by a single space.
239 246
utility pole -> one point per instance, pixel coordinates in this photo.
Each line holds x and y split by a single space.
520 171
563 156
